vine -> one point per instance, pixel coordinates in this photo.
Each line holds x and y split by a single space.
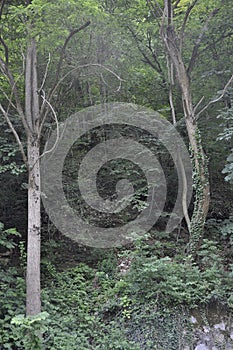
200 182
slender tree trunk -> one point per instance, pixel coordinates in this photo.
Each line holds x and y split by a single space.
33 302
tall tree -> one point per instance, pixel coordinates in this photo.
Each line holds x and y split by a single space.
184 30
173 45
173 42
32 116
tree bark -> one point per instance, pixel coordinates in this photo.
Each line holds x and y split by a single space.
33 302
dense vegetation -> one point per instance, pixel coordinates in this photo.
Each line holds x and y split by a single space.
90 52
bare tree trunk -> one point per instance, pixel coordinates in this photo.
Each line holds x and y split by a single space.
33 302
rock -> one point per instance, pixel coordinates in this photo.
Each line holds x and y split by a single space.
193 320
201 347
221 326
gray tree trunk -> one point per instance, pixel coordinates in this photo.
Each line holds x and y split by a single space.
33 302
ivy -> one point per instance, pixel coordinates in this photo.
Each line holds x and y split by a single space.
200 181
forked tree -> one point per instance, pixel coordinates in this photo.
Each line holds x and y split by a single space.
32 111
173 40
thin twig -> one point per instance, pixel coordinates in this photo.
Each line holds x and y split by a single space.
176 4
1 8
6 50
45 74
186 17
9 99
198 104
199 40
57 125
72 33
45 112
12 82
221 38
15 134
217 99
77 68
24 59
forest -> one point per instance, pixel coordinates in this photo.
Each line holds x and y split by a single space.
116 172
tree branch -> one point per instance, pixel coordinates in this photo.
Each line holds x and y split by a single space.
159 69
199 40
54 87
15 134
57 125
5 70
45 74
9 99
70 72
72 33
222 37
217 99
176 4
5 50
1 8
156 66
156 9
187 14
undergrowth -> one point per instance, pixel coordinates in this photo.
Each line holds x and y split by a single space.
99 306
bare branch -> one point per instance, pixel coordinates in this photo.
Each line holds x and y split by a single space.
45 74
44 112
172 105
199 40
57 125
155 9
9 99
222 37
23 60
5 50
72 33
176 4
155 6
72 71
159 69
186 17
217 99
198 104
54 87
15 134
156 66
1 8
5 70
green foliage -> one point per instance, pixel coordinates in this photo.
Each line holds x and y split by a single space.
229 168
29 330
8 153
6 237
226 229
12 299
102 308
179 280
154 327
98 306
227 135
